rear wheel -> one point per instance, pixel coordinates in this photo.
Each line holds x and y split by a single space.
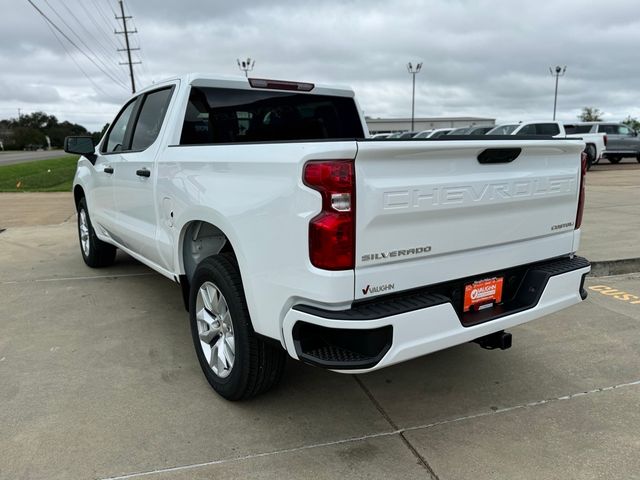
590 150
236 362
95 252
638 157
614 159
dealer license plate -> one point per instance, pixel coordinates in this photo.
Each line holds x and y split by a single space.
482 293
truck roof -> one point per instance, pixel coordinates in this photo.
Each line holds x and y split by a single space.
240 82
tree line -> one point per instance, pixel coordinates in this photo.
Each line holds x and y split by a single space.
592 114
31 130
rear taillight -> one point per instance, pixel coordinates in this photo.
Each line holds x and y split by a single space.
605 140
583 173
332 235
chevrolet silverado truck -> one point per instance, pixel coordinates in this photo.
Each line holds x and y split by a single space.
595 142
623 141
290 232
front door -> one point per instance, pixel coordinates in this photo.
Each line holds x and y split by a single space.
101 200
135 178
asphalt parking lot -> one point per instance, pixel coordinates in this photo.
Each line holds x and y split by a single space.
99 378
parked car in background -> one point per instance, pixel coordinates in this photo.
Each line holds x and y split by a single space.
423 134
622 141
433 133
506 129
439 132
406 135
595 143
394 136
380 136
459 131
479 130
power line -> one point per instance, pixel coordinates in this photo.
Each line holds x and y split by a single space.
106 34
95 85
141 54
101 60
106 50
126 41
72 42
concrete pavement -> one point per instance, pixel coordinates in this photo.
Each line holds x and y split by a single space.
611 224
23 209
99 379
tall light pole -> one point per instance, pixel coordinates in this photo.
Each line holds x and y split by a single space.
246 65
557 72
413 70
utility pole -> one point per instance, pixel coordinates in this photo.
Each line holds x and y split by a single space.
558 72
246 65
19 114
126 41
413 70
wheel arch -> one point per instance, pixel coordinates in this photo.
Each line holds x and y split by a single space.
78 194
199 239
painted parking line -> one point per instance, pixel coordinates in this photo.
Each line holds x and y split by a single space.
617 294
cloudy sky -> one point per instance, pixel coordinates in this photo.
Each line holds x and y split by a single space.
480 57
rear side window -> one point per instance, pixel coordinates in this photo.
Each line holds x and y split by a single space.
152 112
575 129
610 129
218 115
547 129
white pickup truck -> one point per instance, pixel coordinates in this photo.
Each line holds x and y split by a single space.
290 232
595 143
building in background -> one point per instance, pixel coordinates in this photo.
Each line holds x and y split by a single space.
391 125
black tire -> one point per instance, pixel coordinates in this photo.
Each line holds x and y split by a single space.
614 159
590 150
258 364
97 253
638 157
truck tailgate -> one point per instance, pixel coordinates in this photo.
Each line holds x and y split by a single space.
430 211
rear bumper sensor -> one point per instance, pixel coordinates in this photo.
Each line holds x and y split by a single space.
362 348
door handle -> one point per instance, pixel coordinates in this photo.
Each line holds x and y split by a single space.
108 170
143 172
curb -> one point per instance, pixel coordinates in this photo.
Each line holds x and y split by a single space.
605 268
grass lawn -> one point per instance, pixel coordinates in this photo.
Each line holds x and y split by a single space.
52 175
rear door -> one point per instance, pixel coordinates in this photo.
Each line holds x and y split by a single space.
628 138
615 141
428 212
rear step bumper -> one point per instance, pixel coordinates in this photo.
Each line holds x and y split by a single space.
388 330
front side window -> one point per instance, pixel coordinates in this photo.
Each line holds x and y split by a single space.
152 112
115 140
624 130
219 115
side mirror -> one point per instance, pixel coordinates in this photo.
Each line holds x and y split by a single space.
81 146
